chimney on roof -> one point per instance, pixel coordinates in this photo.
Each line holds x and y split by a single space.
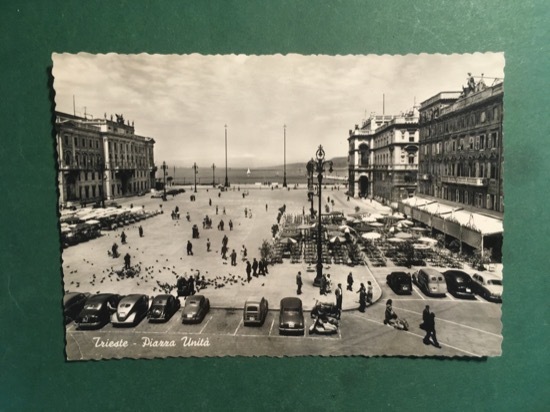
356 126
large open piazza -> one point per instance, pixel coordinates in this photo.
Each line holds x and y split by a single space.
464 327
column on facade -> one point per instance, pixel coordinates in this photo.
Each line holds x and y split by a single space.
107 172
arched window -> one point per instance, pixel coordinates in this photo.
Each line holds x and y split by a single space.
68 159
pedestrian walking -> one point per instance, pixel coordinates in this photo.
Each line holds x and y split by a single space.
114 250
230 224
233 258
225 240
425 316
328 284
216 209
362 300
224 252
209 202
323 287
191 285
430 331
223 210
299 283
338 293
350 282
140 230
245 211
123 237
208 245
266 207
127 261
255 268
265 266
189 248
369 293
248 271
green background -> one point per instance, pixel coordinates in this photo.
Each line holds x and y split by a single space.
33 373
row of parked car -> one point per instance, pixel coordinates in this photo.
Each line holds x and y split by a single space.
95 311
456 282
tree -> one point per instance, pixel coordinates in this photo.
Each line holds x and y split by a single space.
266 250
478 261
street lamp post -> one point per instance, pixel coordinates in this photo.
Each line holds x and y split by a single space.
284 157
195 171
213 175
319 166
164 167
226 180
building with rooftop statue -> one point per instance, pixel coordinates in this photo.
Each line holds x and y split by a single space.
101 159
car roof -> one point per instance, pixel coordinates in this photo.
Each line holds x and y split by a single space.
131 298
291 302
454 272
194 298
398 273
489 275
430 271
159 298
101 297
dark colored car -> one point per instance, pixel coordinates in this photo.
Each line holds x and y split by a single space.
195 309
325 309
400 282
255 311
488 286
163 308
97 310
73 303
130 310
459 284
291 316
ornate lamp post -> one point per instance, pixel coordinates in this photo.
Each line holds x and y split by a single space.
164 167
284 157
319 166
226 180
195 171
213 175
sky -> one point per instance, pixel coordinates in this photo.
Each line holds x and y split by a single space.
185 101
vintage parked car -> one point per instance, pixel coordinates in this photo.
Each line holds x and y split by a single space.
130 310
73 303
195 309
97 311
163 308
325 309
488 286
291 316
400 282
255 311
431 282
459 284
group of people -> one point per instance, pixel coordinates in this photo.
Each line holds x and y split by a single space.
256 268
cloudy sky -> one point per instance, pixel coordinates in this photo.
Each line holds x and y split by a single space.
183 102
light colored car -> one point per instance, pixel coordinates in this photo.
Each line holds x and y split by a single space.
431 282
255 311
488 286
130 310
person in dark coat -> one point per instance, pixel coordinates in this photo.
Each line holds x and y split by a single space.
299 283
127 261
189 248
123 237
350 281
338 292
362 300
255 267
224 252
429 325
208 245
233 258
230 224
425 315
323 287
248 271
140 230
114 250
389 314
191 285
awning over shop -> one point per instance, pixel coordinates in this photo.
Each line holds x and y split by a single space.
468 227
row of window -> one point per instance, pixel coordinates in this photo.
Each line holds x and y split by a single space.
89 192
488 170
466 197
461 122
85 176
87 142
457 144
400 136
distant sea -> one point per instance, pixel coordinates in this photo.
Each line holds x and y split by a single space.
294 174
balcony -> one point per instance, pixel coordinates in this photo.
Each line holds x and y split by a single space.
403 167
466 181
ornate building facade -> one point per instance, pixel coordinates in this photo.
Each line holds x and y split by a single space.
461 154
101 159
383 157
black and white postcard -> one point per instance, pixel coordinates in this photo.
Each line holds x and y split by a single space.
281 205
